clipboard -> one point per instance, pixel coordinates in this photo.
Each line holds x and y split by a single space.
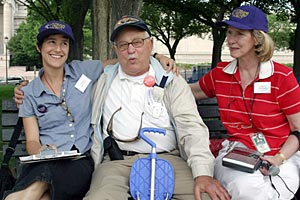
51 155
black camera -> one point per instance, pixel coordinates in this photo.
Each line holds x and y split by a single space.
112 148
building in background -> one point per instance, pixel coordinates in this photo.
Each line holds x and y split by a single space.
195 50
11 15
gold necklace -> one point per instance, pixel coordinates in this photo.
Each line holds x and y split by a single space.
50 86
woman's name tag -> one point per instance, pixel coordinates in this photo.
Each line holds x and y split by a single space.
260 142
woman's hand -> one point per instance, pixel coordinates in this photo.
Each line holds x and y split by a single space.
167 63
272 160
48 147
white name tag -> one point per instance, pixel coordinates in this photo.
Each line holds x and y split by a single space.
262 87
82 83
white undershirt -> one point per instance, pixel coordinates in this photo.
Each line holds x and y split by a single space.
132 95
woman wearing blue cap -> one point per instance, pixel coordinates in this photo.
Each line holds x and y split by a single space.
259 105
56 114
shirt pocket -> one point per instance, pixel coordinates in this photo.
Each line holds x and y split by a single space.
54 116
157 115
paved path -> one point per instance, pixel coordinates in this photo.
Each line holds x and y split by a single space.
19 71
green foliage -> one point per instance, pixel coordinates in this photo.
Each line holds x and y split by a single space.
87 37
281 31
169 26
22 45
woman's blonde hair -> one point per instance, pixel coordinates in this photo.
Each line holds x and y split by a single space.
264 47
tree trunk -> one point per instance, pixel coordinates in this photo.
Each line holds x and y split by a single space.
77 13
105 14
218 38
296 67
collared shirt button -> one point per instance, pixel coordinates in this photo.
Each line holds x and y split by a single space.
70 125
71 135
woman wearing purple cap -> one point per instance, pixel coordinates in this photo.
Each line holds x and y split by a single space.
56 114
259 105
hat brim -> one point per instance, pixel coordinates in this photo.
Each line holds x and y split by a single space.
234 24
42 35
119 29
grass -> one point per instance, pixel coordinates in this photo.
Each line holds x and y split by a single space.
6 92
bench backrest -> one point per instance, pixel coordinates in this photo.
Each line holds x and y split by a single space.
209 111
9 121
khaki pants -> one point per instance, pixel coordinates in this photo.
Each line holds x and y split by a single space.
110 179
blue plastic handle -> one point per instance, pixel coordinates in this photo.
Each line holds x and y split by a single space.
155 130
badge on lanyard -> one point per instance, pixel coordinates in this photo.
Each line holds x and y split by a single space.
260 142
82 83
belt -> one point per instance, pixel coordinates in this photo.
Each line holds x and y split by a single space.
129 153
132 153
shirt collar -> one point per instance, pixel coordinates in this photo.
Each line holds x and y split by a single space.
38 86
136 79
266 69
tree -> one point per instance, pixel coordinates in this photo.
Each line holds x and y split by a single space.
168 26
281 31
105 14
72 12
290 8
22 45
207 13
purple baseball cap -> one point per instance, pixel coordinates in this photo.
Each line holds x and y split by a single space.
126 21
55 27
247 18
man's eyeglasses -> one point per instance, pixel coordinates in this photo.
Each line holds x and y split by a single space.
125 20
136 43
109 128
66 108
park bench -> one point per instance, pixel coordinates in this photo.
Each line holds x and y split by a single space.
207 108
209 112
9 121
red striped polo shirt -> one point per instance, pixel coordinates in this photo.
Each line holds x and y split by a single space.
267 110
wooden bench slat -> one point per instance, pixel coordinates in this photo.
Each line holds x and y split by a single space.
209 111
9 119
19 151
209 101
7 133
9 105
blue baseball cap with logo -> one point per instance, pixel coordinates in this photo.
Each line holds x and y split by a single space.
247 18
126 21
55 27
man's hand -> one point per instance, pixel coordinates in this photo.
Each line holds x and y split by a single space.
210 185
18 93
167 63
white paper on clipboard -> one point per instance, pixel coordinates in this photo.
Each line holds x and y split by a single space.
52 156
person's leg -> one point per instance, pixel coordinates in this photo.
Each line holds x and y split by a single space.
32 183
184 182
71 178
46 196
34 192
242 185
288 182
110 180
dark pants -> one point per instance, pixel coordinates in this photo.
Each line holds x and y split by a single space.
68 179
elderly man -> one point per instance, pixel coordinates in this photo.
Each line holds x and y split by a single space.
125 101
